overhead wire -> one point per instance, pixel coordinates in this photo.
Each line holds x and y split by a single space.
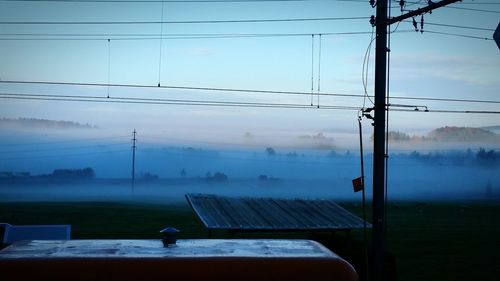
364 76
476 3
180 1
109 66
161 42
460 8
458 26
473 9
319 69
409 4
220 1
224 37
178 22
240 90
151 36
448 111
88 37
312 68
151 101
237 90
459 35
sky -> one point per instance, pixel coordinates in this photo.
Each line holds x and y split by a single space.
421 65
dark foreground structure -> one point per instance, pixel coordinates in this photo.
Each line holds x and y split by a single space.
240 214
201 259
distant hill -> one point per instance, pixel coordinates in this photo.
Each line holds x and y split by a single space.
462 134
318 140
494 129
42 123
400 137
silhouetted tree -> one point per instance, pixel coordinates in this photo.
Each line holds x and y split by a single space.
270 151
487 157
218 176
150 177
86 173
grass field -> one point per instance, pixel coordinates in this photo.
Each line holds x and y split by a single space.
427 241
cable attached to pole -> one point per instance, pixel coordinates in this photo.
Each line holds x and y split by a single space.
319 67
365 232
364 71
161 43
109 65
312 68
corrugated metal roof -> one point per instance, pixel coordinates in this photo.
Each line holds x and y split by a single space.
249 213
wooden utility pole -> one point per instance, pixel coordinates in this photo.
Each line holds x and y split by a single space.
378 221
378 225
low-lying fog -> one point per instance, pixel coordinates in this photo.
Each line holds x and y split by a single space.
166 173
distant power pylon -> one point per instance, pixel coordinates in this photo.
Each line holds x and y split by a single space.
134 147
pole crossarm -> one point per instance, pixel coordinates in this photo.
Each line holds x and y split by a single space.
420 11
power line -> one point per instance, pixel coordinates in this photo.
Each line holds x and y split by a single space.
458 35
98 99
448 111
473 9
176 22
181 1
458 26
157 37
446 99
248 91
365 68
219 1
477 3
161 43
188 35
179 88
312 68
109 65
461 8
214 36
230 35
149 101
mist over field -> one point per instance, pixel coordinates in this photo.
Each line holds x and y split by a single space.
314 165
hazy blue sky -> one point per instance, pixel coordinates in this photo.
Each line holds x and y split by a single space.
423 65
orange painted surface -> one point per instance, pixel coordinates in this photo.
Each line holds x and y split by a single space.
142 260
220 269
